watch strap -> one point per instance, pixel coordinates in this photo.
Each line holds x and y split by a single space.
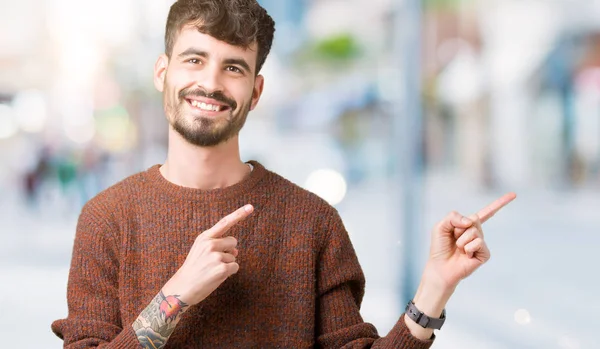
423 320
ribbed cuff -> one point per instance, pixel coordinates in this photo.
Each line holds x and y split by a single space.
400 337
125 340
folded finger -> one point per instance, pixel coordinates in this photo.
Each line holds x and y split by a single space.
227 257
474 246
468 236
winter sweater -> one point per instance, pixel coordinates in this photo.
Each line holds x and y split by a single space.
299 285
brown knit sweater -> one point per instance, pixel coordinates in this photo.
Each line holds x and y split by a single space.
299 285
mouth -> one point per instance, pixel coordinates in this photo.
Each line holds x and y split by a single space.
207 107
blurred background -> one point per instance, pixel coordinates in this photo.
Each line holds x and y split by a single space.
395 111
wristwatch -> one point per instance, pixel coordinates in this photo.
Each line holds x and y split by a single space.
423 320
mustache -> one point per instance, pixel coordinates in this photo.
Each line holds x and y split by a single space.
216 95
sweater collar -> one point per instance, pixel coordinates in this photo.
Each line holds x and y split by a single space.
156 179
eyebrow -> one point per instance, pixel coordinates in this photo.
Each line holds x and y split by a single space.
193 52
197 52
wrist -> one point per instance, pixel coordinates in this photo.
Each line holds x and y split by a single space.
431 298
175 287
433 293
422 319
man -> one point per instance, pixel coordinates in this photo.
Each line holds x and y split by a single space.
160 261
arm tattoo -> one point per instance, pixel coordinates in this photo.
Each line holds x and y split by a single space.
157 322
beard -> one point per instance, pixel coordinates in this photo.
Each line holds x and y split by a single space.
205 131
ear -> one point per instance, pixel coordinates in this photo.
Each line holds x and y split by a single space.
160 71
259 84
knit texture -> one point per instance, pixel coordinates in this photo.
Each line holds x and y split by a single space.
299 285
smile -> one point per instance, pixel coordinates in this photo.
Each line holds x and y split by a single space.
207 106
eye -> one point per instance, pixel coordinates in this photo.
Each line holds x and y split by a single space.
194 61
234 69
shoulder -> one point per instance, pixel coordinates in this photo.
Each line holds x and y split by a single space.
117 197
295 194
301 203
304 211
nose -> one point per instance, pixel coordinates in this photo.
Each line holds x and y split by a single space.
210 79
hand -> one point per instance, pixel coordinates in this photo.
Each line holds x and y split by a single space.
209 263
457 250
458 247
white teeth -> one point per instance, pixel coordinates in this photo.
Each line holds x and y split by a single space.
204 106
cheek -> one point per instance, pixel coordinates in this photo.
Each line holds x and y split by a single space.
245 93
235 93
170 95
176 81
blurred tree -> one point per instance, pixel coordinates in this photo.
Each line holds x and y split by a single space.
444 4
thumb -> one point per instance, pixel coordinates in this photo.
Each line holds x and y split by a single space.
475 220
454 220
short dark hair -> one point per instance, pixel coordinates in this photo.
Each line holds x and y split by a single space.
236 22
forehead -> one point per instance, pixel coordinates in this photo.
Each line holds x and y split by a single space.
189 36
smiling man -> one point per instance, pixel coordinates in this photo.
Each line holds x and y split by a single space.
201 117
206 251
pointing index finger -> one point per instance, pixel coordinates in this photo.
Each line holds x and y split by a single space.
490 210
228 221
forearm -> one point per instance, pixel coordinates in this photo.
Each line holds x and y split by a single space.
431 298
157 322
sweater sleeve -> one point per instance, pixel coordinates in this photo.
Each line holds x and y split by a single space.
340 290
93 319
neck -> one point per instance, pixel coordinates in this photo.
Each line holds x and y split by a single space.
205 168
